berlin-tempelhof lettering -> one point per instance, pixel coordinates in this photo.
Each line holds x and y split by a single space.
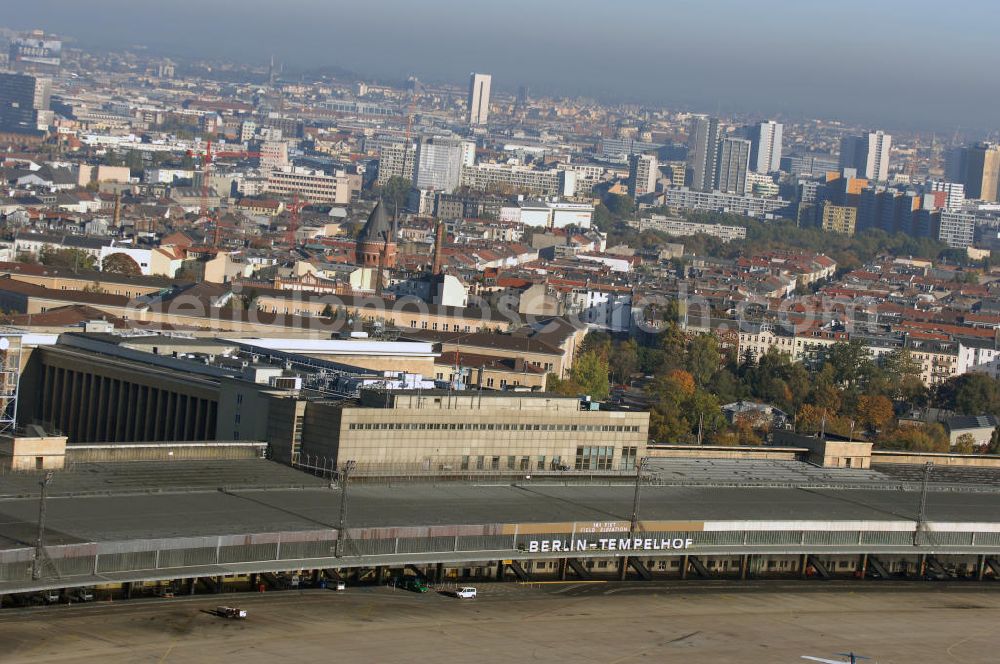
608 544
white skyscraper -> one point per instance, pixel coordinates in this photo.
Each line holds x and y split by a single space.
643 172
439 163
765 149
868 154
479 99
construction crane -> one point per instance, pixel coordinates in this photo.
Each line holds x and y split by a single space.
208 155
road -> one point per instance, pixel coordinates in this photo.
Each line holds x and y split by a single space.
575 622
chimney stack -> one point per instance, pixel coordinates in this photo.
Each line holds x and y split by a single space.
438 249
117 219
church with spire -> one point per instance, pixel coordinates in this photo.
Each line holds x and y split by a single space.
376 243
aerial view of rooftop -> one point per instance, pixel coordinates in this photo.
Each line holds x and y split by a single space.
443 332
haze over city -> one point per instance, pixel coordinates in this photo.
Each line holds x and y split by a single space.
908 65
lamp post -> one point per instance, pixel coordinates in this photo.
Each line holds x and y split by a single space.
634 524
922 513
345 477
36 564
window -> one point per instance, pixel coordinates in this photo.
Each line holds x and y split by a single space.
511 461
594 458
495 463
465 462
541 463
480 463
628 458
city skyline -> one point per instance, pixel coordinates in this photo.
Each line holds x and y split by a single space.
829 73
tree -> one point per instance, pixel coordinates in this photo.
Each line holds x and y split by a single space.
927 438
703 358
965 444
395 192
620 205
624 359
74 259
970 394
902 376
120 263
851 363
590 373
874 412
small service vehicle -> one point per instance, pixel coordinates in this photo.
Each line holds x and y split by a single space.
231 612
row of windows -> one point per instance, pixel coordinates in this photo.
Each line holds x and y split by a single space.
444 326
461 426
513 463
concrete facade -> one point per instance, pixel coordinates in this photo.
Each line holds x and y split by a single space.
440 430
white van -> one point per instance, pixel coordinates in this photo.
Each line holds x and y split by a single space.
466 593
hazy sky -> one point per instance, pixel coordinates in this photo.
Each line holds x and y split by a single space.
891 63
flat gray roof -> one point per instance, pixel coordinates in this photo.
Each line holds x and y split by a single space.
203 513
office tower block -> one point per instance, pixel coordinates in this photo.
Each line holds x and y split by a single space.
643 172
868 154
978 168
479 99
24 103
839 219
765 146
703 152
733 163
956 229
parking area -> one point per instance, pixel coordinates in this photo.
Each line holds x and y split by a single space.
586 622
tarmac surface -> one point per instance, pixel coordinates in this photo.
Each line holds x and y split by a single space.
767 622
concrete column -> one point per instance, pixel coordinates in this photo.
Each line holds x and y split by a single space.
175 425
127 590
744 567
439 573
192 584
803 560
562 569
137 406
66 393
118 432
159 412
49 392
72 410
980 568
684 567
213 412
864 566
923 565
199 419
218 583
622 568
149 414
100 417
500 570
84 406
